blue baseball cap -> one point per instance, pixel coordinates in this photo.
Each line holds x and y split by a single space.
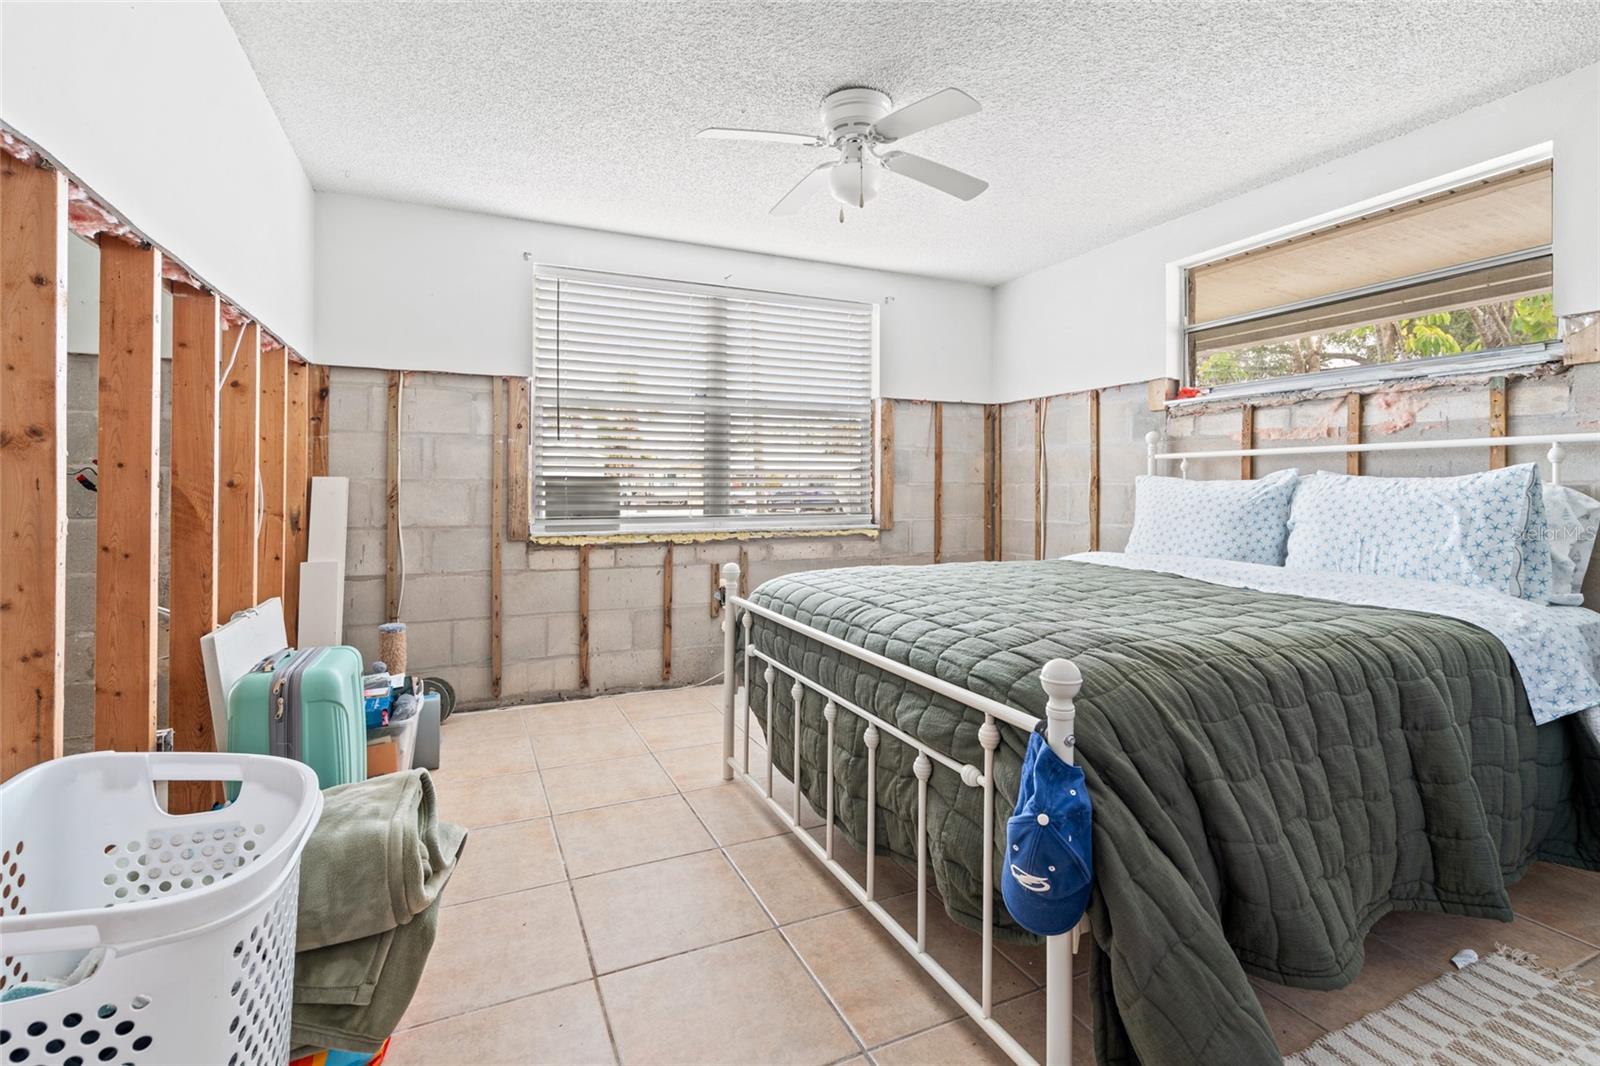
1048 874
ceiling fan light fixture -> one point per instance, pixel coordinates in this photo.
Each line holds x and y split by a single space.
855 182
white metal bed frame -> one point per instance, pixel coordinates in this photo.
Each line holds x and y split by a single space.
1061 681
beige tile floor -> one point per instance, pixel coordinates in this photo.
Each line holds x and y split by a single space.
618 903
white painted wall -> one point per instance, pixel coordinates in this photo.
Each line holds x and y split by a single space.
411 287
1113 315
155 107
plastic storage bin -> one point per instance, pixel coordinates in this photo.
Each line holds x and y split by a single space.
192 917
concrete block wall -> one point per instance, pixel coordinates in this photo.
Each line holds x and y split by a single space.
83 393
446 438
1548 400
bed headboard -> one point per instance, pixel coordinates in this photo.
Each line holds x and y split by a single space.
1555 456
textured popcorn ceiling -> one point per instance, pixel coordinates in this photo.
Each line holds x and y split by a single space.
1099 119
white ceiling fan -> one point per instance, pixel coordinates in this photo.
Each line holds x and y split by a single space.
858 123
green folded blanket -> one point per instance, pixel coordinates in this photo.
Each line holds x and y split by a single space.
370 884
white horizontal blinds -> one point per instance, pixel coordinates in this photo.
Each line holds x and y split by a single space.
659 406
1488 219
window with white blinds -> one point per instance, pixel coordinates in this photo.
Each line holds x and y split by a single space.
662 406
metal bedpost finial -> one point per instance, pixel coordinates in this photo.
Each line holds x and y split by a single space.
1150 440
729 576
1061 680
1556 455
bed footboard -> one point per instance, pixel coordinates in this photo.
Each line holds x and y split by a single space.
1061 681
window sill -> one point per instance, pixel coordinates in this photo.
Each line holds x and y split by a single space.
1357 379
701 536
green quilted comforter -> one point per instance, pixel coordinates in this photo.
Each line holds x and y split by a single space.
1270 774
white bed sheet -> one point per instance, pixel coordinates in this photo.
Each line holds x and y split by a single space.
1555 649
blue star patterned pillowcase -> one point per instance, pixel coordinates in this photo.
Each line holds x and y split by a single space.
1242 520
1484 531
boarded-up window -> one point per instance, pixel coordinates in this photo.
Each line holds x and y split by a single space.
1466 270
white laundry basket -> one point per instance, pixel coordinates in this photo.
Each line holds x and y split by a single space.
191 917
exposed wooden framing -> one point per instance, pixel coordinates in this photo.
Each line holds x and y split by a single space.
938 481
238 407
391 541
519 515
127 504
885 464
497 538
583 616
999 481
1497 421
666 613
1158 391
1582 344
196 364
318 417
716 583
1039 406
1352 432
744 571
296 493
1247 439
33 462
989 531
1094 470
272 427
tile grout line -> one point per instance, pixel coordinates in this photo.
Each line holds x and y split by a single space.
577 912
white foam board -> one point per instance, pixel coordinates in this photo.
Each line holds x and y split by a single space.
230 650
330 518
321 602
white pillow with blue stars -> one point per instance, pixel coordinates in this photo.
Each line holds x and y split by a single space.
1482 531
1242 520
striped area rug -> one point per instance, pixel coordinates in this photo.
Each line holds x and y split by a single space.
1501 1010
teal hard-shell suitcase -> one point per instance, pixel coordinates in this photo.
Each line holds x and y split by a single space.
304 705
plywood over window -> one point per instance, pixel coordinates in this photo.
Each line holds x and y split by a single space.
1494 217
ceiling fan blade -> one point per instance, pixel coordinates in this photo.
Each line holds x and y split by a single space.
722 133
942 106
945 179
809 186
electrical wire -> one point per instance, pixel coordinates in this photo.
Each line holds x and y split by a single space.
223 380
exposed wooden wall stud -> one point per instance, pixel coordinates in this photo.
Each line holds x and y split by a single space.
127 503
1247 439
318 417
518 510
296 492
938 481
1040 406
497 532
666 613
274 412
1158 391
238 406
716 606
1352 432
391 568
583 616
990 419
744 571
33 462
1497 421
1094 470
196 364
885 464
